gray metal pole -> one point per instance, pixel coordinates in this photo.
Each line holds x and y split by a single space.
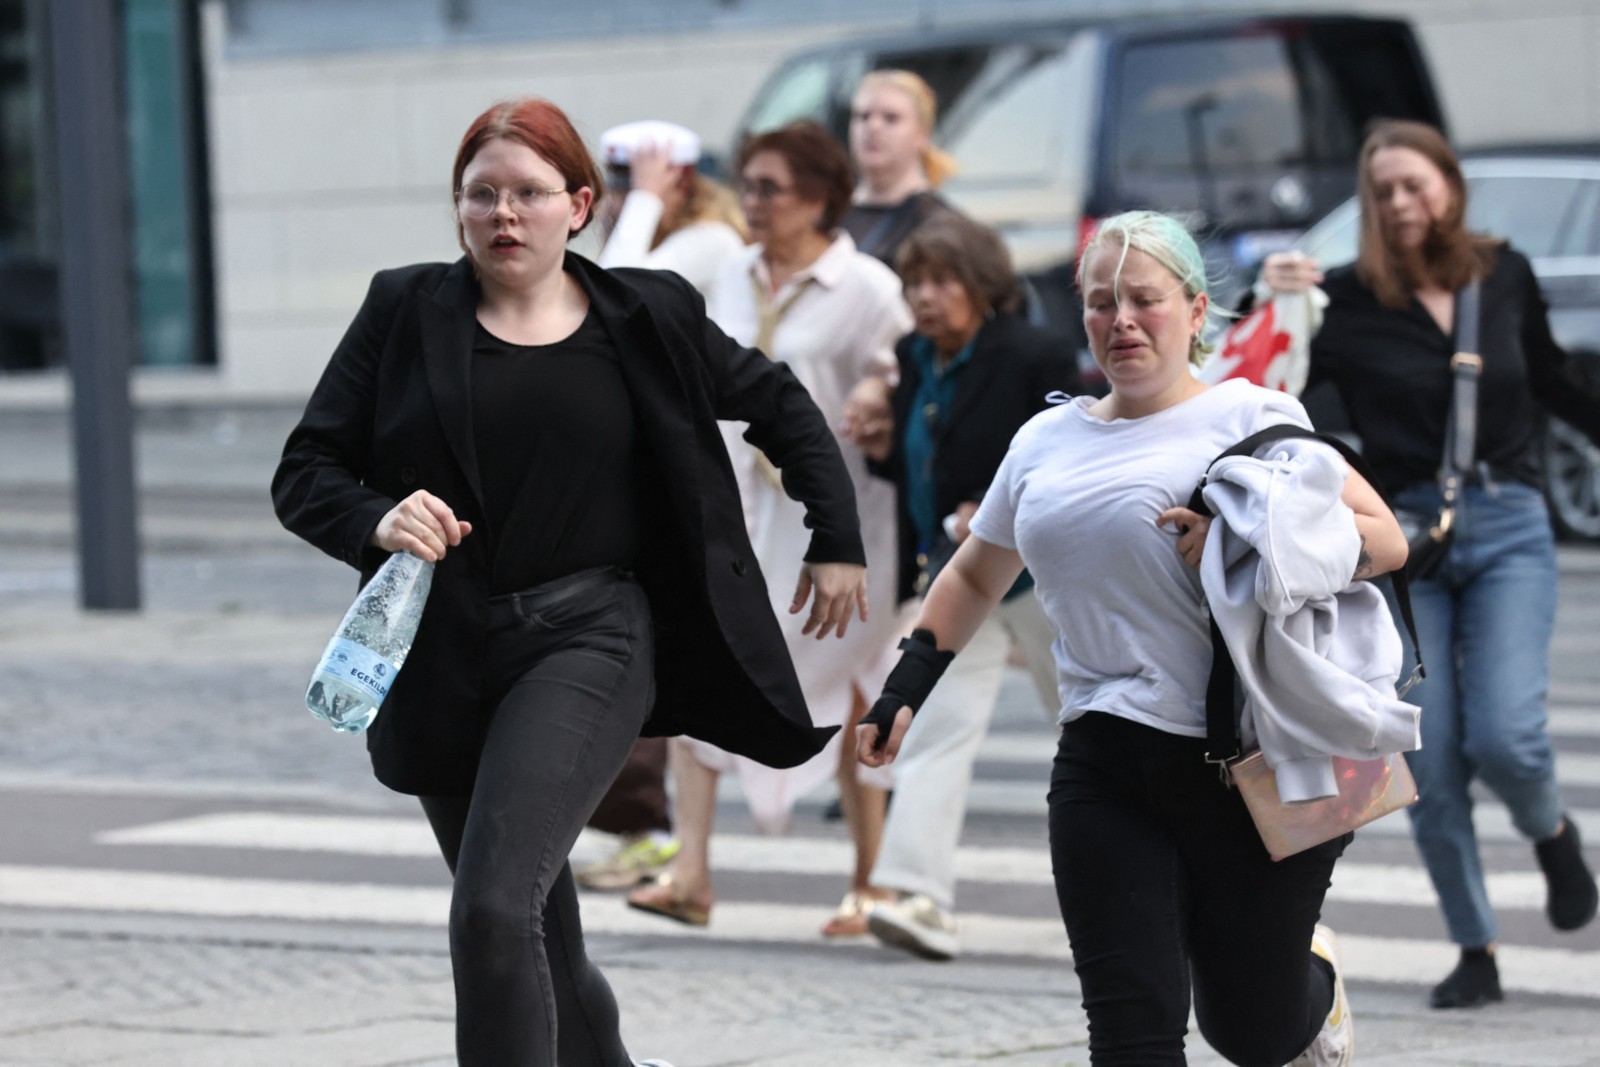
96 286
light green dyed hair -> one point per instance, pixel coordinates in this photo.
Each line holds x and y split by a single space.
1165 240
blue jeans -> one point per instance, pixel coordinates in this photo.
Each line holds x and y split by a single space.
1484 621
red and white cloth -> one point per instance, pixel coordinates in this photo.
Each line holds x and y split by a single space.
1271 346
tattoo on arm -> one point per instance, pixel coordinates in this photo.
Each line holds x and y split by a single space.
1363 562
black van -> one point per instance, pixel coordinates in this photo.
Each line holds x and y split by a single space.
1247 127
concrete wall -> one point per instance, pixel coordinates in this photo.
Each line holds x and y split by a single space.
329 167
1514 71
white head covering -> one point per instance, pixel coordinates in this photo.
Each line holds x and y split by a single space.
617 144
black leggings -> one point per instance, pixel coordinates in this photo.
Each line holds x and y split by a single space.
1164 883
569 667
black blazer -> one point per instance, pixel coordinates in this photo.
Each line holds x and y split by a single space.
392 414
1014 365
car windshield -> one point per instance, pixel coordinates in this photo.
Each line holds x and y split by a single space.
1207 105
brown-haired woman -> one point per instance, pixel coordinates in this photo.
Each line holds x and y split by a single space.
1485 617
973 371
546 431
807 298
891 141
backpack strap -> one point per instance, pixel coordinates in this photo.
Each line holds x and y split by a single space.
1222 703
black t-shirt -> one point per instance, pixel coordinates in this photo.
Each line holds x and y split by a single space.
880 229
1392 370
557 456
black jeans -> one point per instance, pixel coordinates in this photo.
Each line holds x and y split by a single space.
570 670
1164 884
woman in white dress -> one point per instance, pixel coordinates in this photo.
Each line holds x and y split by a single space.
806 297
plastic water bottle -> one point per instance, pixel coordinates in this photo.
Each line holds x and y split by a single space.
360 663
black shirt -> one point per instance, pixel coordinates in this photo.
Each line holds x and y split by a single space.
880 229
1392 370
554 429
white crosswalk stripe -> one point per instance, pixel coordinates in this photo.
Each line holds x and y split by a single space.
1023 760
1534 969
1359 883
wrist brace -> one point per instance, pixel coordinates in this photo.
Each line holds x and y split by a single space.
913 678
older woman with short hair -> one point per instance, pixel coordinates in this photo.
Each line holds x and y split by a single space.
971 374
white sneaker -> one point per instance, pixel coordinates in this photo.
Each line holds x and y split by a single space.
1335 1045
651 1063
918 925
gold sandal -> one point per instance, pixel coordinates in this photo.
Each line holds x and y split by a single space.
850 917
668 898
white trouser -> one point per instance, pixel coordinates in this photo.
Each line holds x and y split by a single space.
934 769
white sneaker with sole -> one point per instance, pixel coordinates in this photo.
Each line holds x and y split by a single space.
917 925
1335 1045
651 1063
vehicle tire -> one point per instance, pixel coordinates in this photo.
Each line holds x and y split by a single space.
1571 482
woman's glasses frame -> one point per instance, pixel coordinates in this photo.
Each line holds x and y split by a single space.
765 189
480 200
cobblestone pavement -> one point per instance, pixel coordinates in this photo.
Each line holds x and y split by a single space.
170 1000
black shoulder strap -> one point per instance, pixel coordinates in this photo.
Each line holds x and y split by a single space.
1461 430
1222 712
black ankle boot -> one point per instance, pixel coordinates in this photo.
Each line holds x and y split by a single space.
1475 981
1573 897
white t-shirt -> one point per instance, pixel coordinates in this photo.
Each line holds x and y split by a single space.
1078 498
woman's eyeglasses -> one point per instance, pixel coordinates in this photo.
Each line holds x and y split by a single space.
479 199
764 189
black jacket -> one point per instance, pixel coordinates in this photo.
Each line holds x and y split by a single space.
1014 365
392 414
1392 370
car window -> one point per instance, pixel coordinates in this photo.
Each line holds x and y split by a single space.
1581 234
999 129
1334 241
1535 214
799 91
1217 105
951 72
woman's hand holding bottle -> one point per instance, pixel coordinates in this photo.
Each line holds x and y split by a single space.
421 524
